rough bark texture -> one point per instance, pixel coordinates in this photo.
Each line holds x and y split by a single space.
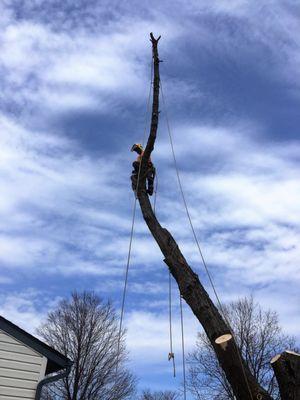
286 367
188 282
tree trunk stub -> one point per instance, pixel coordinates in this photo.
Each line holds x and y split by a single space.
286 367
188 282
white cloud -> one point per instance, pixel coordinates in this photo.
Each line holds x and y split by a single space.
148 336
76 70
60 209
45 189
26 309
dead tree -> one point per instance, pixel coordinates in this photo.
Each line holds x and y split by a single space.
243 383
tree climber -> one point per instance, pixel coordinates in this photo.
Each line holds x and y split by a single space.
150 175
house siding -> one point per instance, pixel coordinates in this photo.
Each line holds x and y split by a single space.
21 368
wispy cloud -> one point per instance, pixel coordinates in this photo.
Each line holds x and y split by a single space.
28 308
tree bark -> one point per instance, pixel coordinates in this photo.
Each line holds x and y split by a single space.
286 367
188 282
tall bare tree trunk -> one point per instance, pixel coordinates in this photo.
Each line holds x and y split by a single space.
243 383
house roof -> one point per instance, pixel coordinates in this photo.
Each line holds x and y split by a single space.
56 360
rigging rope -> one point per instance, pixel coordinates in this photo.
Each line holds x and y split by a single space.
195 236
182 346
171 354
132 230
184 200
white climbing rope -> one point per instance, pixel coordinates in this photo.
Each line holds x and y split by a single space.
195 236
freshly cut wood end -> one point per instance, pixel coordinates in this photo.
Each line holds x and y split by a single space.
223 338
275 358
292 352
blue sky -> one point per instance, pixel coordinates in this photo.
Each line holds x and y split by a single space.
74 85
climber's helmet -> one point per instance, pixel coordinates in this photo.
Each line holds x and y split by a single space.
138 148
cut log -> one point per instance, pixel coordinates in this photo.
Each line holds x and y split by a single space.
242 381
286 367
